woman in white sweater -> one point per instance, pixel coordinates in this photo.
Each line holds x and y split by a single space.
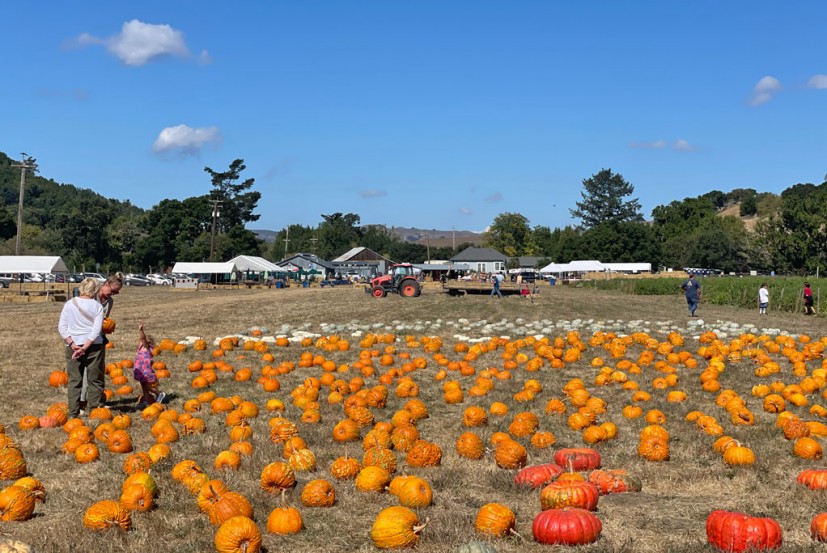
80 327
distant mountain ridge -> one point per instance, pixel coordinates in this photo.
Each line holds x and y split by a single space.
432 237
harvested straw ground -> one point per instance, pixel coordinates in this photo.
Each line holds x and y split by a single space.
668 515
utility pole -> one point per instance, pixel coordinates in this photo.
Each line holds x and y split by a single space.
286 240
314 240
25 165
428 242
215 215
453 239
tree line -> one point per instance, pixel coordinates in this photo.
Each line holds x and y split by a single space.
91 231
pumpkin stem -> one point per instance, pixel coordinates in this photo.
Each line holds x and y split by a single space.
514 533
417 529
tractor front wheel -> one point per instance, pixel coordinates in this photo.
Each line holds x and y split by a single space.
378 292
409 289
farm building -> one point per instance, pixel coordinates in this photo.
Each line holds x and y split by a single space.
303 264
361 261
482 260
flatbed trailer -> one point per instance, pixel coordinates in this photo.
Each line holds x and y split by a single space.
463 287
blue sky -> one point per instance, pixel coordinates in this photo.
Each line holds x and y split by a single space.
433 114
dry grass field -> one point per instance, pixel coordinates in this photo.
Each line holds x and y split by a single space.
668 515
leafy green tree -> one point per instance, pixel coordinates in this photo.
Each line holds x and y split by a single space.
722 243
237 200
511 235
797 236
123 236
338 233
300 240
543 240
604 200
8 226
749 206
622 242
676 224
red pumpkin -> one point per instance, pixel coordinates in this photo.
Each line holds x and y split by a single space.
578 458
566 527
558 495
815 479
537 476
735 532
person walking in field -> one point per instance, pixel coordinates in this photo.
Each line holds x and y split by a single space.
763 299
808 300
692 289
498 278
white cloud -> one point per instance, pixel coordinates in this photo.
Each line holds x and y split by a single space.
373 193
139 43
464 211
764 90
818 81
656 145
682 145
184 139
494 198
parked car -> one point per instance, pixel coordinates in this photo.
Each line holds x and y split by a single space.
6 280
159 279
136 280
527 276
97 276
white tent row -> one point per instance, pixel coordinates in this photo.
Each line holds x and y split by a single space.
581 266
256 264
39 264
207 268
591 265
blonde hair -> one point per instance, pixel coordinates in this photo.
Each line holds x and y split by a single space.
116 278
89 287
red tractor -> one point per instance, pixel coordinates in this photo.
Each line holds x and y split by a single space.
400 279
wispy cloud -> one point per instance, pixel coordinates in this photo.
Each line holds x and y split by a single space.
764 90
682 145
373 193
139 43
464 211
185 140
656 145
679 145
494 198
817 81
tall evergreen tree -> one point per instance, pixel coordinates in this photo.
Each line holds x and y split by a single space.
604 200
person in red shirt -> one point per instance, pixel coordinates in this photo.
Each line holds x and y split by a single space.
808 300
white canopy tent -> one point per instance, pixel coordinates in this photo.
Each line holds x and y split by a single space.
256 264
39 264
555 268
586 266
206 268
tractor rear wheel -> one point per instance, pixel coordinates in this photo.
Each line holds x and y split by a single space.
409 288
378 292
